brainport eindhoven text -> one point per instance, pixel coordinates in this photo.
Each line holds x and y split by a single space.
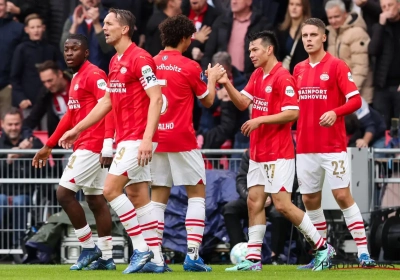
313 93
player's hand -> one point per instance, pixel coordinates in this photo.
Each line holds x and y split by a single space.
249 126
215 73
68 139
106 155
361 143
145 152
328 119
41 157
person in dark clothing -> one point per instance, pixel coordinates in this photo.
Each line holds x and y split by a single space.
25 79
384 47
203 16
16 166
371 9
22 8
12 34
236 211
165 9
224 38
291 49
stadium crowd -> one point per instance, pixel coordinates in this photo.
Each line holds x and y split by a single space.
35 79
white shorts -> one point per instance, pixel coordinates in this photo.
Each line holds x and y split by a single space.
313 169
275 176
181 168
84 172
125 162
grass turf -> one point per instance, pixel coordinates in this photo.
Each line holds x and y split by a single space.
61 272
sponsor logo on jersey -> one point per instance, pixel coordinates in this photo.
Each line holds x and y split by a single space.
312 93
101 84
123 70
116 87
169 67
260 104
289 91
165 57
324 77
268 89
73 104
350 77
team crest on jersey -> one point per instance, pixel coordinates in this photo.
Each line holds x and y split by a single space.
289 91
123 70
76 87
324 77
165 57
268 89
350 77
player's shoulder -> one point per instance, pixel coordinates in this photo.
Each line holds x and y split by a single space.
282 74
301 65
191 64
258 72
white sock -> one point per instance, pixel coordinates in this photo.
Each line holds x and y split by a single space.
105 245
85 236
127 215
256 237
318 219
149 224
310 233
158 213
355 224
195 216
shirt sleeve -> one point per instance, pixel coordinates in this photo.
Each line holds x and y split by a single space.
288 93
345 80
98 80
248 90
196 80
145 70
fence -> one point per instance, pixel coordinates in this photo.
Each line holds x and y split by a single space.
28 195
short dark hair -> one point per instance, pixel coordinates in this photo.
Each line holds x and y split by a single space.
125 17
32 17
12 111
81 38
267 37
48 65
174 29
161 4
316 22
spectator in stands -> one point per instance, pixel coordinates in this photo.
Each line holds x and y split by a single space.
164 9
384 47
203 16
216 131
52 98
291 49
22 8
25 79
371 10
14 166
12 33
229 33
236 211
371 128
348 40
87 19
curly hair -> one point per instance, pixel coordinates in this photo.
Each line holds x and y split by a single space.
174 29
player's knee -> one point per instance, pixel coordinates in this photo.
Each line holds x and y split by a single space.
95 202
311 201
65 196
255 203
110 193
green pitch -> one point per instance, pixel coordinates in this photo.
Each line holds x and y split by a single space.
61 272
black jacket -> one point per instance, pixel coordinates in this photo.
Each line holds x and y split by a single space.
25 79
241 178
299 54
209 18
371 11
153 41
20 168
221 33
43 105
381 47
